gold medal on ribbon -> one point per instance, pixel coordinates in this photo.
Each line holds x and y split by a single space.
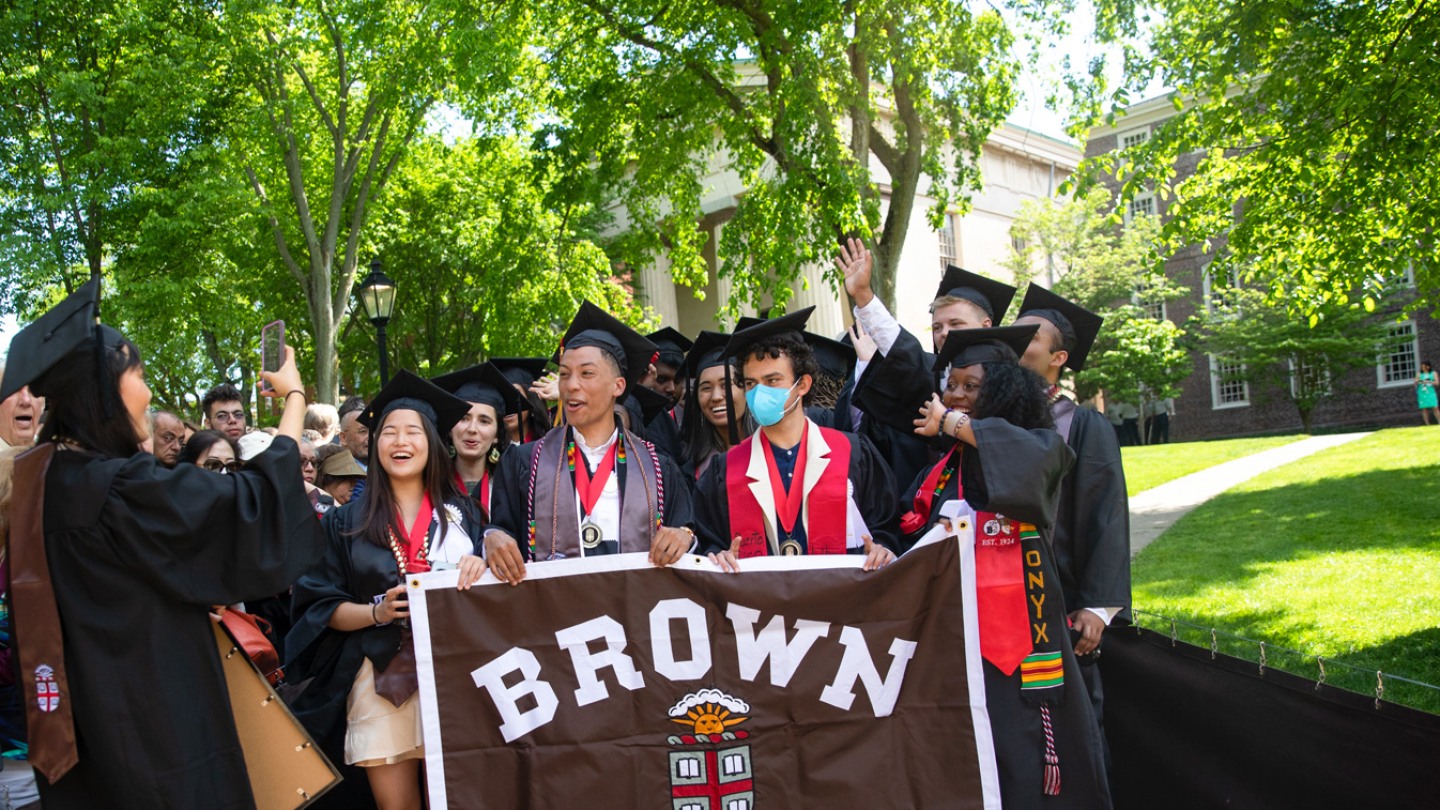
591 535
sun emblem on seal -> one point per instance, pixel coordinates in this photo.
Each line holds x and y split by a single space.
711 768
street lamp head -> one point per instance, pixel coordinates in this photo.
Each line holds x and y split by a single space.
377 295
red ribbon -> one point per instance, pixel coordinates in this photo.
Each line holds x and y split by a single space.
414 543
588 487
788 510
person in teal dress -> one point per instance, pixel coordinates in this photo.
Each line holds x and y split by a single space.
1425 393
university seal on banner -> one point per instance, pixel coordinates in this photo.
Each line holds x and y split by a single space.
710 766
47 691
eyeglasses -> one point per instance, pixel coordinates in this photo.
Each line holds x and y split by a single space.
222 467
228 416
307 461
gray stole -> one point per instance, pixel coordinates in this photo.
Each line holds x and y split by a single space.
555 514
1064 413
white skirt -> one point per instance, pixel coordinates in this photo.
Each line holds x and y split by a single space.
377 732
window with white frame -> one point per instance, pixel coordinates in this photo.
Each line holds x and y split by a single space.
1228 388
949 242
1217 295
1152 304
1134 137
1400 358
1308 379
1143 205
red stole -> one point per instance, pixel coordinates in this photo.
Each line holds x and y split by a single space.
1001 609
825 503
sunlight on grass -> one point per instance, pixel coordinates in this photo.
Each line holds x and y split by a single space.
1335 555
1153 465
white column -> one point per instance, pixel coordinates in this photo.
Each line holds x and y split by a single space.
828 319
723 286
658 290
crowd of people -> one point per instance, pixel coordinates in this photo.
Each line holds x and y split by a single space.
770 440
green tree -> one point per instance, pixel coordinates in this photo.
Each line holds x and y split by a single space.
1086 252
100 100
798 99
1136 359
1283 356
1113 270
339 90
1312 129
484 267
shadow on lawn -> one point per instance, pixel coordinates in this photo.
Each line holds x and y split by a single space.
1226 539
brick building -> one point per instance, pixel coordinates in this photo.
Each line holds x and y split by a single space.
1210 407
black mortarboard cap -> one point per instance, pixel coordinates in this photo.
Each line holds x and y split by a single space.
966 347
836 358
708 351
594 326
895 385
1077 325
990 295
756 331
483 384
521 371
407 390
67 327
672 345
649 403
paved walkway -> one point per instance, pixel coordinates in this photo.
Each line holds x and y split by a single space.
1155 510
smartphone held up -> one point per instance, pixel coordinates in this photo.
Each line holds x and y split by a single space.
272 348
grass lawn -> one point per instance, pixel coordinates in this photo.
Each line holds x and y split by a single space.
1153 465
1336 555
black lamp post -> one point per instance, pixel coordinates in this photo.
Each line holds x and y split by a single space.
377 295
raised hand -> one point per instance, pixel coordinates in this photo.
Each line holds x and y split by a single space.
865 347
856 264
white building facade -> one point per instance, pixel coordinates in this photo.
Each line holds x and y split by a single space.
1016 165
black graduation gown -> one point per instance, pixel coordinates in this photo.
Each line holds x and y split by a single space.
1017 473
664 432
1092 529
875 491
509 497
137 553
907 454
352 569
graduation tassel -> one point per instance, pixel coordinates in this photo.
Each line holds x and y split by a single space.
1052 761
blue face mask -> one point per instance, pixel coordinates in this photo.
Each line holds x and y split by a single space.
767 404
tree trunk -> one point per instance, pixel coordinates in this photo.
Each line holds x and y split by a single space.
327 359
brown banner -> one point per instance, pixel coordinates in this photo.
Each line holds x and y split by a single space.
799 682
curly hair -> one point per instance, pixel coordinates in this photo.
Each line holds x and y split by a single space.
802 357
1013 393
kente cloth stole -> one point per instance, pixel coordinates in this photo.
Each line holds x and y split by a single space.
552 518
930 489
824 509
